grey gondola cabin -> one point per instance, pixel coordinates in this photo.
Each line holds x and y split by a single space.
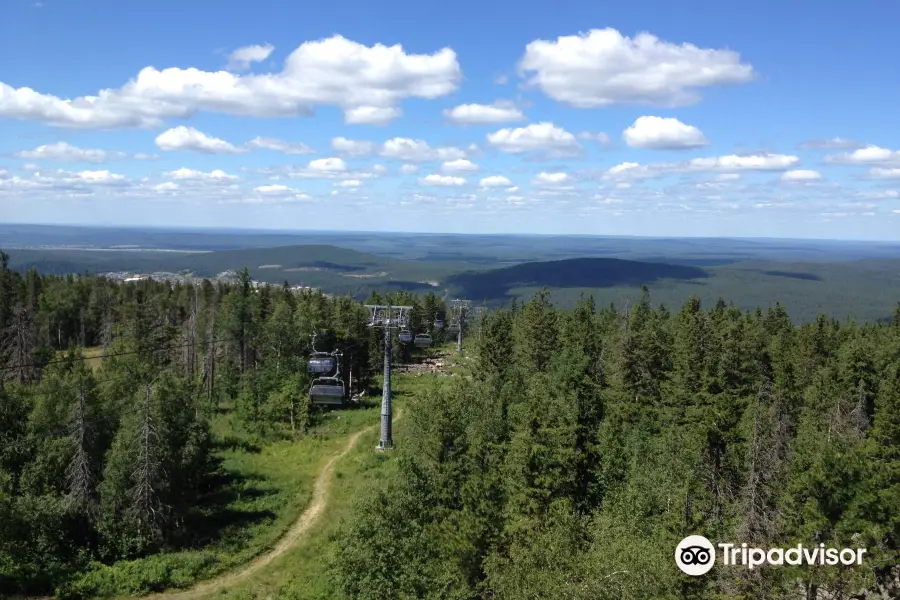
423 340
327 391
320 365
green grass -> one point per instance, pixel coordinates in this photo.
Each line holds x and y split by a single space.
302 573
270 486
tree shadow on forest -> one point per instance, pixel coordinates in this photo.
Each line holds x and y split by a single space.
214 515
496 284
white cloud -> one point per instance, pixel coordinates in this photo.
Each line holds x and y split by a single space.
64 152
273 189
371 115
885 195
494 181
185 174
545 138
733 162
348 183
64 181
188 138
101 177
753 162
595 137
551 179
327 164
483 114
801 175
242 58
727 177
660 133
865 156
166 187
443 180
352 147
280 146
418 151
408 169
602 67
631 170
367 82
460 165
835 143
882 173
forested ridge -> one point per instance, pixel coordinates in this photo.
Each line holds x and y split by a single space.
584 445
116 463
572 453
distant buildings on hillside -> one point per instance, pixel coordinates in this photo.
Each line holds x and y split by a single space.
190 278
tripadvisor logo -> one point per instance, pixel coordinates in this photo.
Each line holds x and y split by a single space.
695 555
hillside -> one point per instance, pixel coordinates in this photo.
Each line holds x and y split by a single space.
496 284
865 290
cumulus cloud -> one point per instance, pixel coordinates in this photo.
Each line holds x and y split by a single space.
408 169
552 179
835 143
483 114
272 189
460 165
168 186
352 147
753 162
661 133
442 180
418 151
242 58
495 181
882 173
371 115
265 143
599 137
864 156
188 138
64 152
801 175
543 138
330 165
367 82
729 163
348 183
59 180
185 174
602 68
632 170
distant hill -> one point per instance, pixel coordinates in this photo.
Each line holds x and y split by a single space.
496 284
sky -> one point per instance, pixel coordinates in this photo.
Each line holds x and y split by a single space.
696 118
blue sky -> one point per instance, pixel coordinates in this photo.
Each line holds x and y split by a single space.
641 118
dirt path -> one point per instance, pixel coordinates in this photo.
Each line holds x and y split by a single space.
318 504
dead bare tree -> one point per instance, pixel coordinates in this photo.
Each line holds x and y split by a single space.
767 458
18 343
190 338
144 494
79 473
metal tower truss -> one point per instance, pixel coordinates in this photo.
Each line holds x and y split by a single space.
388 318
459 314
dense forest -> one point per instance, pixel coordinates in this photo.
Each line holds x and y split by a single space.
576 449
585 444
109 464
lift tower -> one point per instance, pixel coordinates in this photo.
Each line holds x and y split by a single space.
459 312
387 317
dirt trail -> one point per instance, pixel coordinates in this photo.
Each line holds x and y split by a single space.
318 504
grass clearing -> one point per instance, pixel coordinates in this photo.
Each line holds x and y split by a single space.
302 572
261 490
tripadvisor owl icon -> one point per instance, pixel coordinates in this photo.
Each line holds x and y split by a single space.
695 555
